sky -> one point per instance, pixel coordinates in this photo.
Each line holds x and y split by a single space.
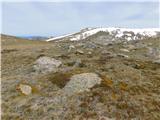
58 18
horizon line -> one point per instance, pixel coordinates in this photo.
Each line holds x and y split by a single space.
39 35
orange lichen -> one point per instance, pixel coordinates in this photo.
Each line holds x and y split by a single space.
114 96
123 86
106 81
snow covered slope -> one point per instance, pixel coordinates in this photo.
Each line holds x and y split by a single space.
122 33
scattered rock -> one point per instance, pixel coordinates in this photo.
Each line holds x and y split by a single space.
90 46
71 47
79 52
105 52
89 53
81 82
25 89
154 53
46 64
106 118
130 47
78 63
107 55
138 66
63 56
122 55
124 50
156 61
140 45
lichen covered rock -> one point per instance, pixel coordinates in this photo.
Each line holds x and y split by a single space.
46 64
81 82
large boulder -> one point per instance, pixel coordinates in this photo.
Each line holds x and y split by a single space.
46 64
81 82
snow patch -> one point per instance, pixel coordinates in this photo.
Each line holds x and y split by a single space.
131 34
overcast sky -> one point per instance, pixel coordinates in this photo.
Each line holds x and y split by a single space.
58 18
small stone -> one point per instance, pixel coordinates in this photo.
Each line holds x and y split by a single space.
154 53
130 47
71 47
78 63
156 61
107 55
124 50
89 53
25 89
79 52
122 55
106 118
104 52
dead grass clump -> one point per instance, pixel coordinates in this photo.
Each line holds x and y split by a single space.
137 89
123 86
106 81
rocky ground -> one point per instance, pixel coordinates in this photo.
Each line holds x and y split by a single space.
83 80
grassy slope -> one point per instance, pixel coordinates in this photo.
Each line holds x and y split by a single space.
127 84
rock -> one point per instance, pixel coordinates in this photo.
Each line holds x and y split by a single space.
71 47
140 45
107 55
89 53
81 82
154 53
78 63
63 56
130 47
124 50
90 46
156 61
24 89
122 55
79 52
46 64
106 118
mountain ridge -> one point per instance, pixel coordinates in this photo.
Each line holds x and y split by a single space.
116 33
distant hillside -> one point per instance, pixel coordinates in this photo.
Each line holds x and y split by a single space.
35 37
10 42
11 39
